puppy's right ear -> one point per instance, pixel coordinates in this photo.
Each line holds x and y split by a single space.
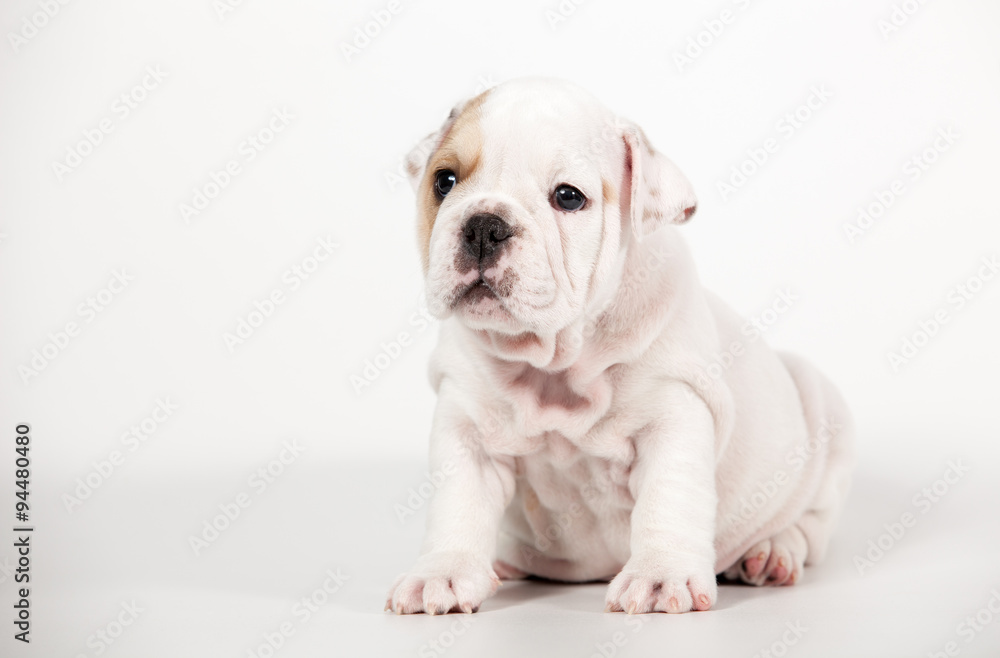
420 155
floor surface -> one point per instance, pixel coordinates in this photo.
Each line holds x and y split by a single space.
303 569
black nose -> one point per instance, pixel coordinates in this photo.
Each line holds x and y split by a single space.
484 235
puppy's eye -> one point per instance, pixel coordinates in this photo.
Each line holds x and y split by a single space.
568 198
443 182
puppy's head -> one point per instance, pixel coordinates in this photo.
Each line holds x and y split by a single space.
526 197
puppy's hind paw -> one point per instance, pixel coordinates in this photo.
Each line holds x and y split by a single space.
775 561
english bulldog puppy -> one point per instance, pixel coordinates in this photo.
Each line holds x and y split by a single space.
600 415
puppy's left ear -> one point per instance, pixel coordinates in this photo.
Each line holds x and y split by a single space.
420 155
660 193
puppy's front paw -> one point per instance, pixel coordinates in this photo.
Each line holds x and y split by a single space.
441 583
655 586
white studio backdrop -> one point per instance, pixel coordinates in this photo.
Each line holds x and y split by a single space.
173 173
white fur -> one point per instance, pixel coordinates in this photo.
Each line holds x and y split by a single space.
587 437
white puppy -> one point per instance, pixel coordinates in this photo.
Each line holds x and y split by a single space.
588 419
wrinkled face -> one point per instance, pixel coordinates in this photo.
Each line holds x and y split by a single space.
513 207
521 200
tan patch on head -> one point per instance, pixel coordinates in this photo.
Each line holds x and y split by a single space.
460 151
609 192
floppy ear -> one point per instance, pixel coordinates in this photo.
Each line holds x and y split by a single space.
660 192
420 155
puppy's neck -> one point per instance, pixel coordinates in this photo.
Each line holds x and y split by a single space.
625 312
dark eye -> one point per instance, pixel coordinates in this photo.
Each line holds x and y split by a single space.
568 198
444 181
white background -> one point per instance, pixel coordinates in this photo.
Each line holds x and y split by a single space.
334 173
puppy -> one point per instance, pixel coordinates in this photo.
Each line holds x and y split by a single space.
588 427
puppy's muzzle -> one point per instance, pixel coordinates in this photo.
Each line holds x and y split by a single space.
485 236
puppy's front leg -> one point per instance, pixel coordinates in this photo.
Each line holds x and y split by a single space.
454 571
672 562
